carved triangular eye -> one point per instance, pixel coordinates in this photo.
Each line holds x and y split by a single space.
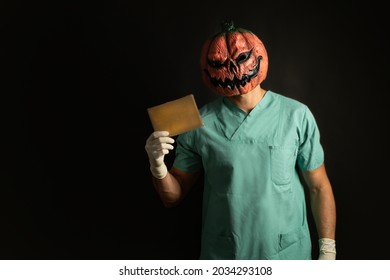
215 64
242 57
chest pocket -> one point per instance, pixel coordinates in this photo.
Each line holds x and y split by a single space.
283 160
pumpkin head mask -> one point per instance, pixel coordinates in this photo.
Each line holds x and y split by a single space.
233 61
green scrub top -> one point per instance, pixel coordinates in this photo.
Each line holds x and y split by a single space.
253 202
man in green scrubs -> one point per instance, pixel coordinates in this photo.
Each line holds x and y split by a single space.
252 148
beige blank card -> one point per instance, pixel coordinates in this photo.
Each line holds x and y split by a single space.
177 116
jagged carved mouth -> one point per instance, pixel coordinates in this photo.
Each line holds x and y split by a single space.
236 83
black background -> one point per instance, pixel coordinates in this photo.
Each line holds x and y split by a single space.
77 77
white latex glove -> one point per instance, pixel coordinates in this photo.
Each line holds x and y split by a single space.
157 146
327 249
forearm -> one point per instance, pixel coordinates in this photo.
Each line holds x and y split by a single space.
169 189
323 207
324 211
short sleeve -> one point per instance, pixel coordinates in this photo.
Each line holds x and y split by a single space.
186 157
310 153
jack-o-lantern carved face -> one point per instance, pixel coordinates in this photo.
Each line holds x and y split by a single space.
234 61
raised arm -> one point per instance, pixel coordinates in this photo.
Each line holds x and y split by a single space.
171 185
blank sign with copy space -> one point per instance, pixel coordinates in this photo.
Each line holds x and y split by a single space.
176 116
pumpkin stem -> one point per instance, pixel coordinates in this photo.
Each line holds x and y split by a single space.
227 26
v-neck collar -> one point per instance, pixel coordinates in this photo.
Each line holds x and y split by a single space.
231 118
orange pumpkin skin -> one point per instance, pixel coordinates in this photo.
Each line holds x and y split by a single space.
233 62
